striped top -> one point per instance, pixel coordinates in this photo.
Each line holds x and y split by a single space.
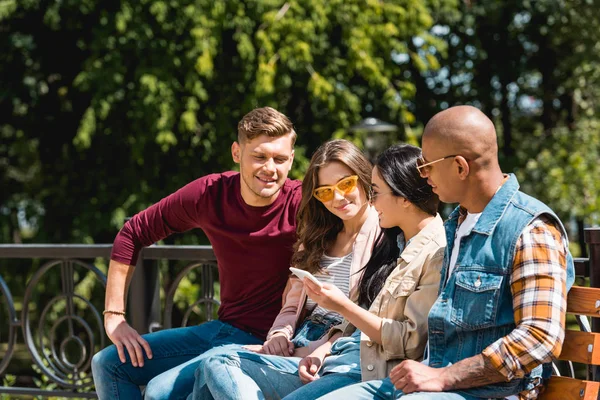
335 270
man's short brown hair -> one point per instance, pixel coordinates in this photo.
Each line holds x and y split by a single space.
265 121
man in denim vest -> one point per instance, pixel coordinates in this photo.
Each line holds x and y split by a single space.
499 319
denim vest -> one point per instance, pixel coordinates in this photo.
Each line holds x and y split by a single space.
474 308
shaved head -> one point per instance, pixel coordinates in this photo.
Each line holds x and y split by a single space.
460 143
467 131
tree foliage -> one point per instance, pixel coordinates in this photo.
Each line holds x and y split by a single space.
110 105
532 66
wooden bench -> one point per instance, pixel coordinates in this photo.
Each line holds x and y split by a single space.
582 346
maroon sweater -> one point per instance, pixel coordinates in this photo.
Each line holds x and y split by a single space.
253 245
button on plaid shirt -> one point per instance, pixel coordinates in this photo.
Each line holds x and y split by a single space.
538 286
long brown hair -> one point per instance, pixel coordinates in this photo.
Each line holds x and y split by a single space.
317 226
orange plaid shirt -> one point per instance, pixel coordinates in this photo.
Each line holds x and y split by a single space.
538 286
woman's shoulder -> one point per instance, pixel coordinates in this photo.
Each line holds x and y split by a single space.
372 222
437 246
433 250
438 231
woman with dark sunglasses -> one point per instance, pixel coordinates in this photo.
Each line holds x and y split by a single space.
387 320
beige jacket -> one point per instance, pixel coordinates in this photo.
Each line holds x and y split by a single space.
294 295
403 304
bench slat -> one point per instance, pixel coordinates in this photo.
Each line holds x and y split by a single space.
577 346
563 388
582 301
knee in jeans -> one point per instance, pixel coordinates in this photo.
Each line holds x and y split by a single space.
104 359
211 365
156 390
205 369
229 359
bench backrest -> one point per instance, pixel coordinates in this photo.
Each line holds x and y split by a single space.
579 346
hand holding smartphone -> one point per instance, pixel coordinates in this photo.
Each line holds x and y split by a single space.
300 273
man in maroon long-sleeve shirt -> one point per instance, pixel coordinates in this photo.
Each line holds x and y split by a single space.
250 220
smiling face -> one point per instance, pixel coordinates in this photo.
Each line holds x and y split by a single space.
264 165
387 205
345 206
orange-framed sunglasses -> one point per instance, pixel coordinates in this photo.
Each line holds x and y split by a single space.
344 186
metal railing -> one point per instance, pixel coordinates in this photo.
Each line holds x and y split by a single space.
62 331
69 322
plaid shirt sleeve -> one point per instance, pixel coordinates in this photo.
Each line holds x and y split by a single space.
538 285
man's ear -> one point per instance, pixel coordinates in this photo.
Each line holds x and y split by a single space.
236 152
291 160
463 167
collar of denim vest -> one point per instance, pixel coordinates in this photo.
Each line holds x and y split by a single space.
495 208
434 228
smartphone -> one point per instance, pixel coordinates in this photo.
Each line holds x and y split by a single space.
300 273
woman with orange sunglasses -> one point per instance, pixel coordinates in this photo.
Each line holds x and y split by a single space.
385 316
337 228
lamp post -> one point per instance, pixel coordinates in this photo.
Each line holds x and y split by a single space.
377 135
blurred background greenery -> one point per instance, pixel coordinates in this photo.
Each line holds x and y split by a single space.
108 106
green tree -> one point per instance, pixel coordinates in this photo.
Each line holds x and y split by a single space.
107 106
122 102
532 67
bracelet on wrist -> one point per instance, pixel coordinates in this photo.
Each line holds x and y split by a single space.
113 312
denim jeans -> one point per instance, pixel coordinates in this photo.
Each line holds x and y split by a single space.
170 372
237 374
314 327
385 390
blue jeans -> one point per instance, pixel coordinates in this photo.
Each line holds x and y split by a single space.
170 372
238 374
385 390
313 328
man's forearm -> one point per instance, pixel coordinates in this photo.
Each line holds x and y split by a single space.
471 372
117 284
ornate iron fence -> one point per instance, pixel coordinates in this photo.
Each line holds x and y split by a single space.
62 331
